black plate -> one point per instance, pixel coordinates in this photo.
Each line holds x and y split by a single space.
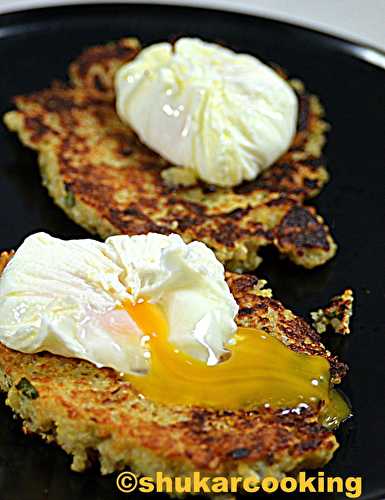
36 47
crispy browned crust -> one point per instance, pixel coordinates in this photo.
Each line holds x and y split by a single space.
106 180
336 314
95 68
93 412
4 259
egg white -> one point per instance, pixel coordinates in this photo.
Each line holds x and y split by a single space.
65 297
224 116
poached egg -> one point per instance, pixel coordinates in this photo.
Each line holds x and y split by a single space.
72 297
159 312
224 116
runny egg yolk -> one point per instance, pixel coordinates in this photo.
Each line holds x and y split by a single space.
260 371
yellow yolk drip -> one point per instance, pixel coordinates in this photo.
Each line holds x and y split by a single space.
260 371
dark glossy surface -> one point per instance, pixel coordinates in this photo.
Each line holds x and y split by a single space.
36 47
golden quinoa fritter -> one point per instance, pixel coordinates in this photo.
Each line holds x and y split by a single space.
95 415
99 173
